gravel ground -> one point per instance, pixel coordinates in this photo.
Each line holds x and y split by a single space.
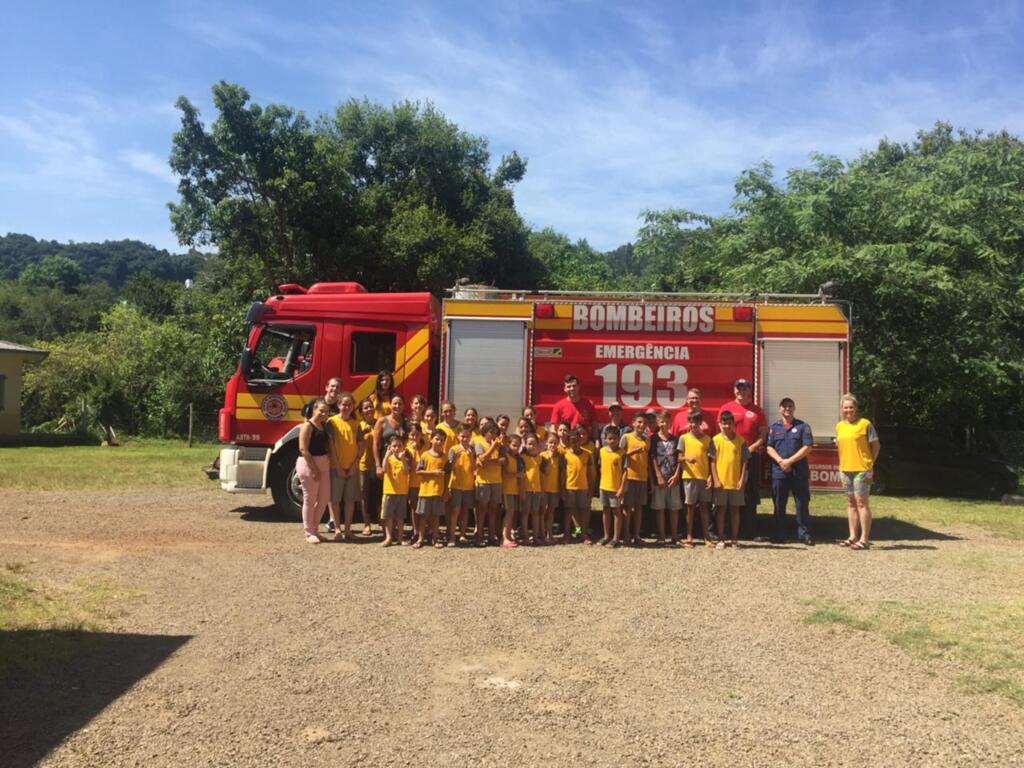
246 646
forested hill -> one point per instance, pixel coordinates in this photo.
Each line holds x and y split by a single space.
112 262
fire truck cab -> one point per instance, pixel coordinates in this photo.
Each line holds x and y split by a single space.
499 351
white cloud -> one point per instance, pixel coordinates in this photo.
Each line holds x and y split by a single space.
149 164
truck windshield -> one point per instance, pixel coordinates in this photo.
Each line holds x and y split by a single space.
281 354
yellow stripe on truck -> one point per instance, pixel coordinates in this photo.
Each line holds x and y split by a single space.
488 309
246 400
411 367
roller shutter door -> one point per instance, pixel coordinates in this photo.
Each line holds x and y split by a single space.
810 372
487 366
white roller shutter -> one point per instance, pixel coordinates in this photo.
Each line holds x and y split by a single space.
487 366
810 372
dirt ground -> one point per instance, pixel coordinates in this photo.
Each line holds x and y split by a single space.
239 644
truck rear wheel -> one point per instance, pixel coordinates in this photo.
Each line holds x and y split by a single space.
284 483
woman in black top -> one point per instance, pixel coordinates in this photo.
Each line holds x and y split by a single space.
313 468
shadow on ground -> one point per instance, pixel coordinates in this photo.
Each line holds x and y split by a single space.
882 529
824 527
54 682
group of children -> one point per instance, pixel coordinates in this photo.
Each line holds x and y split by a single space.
514 482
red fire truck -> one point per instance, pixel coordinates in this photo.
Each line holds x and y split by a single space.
500 350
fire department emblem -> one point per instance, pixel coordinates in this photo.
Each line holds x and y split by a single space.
274 407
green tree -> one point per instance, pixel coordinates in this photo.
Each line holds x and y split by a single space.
398 198
924 239
569 266
55 271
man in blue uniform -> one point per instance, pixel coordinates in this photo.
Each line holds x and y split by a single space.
789 441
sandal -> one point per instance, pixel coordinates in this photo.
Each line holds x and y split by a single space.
861 545
312 538
847 542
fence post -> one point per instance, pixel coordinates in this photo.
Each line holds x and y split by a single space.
191 413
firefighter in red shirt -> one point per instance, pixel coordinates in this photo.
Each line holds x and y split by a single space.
576 410
681 421
752 426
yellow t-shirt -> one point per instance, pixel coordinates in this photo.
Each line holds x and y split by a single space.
431 485
549 472
591 450
637 464
344 439
366 457
854 443
576 467
695 448
510 477
380 410
488 473
415 451
730 456
611 470
531 466
463 464
396 476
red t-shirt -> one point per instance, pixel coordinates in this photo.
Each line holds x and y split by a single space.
580 413
681 422
749 420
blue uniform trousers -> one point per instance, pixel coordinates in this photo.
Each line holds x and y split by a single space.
800 488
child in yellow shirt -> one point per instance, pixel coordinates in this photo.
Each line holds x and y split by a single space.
397 469
462 484
613 487
550 482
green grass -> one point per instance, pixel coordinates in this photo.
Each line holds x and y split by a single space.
136 464
985 640
1003 520
41 623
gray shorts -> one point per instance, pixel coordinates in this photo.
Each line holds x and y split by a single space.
532 503
731 498
696 492
345 489
462 499
430 505
576 499
488 493
856 484
609 499
636 493
394 507
511 503
665 497
552 500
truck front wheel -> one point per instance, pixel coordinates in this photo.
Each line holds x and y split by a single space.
284 483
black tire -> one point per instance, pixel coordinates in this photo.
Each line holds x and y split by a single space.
284 485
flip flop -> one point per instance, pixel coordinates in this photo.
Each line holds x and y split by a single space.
861 545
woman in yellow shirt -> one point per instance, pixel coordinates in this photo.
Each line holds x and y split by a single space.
858 446
383 391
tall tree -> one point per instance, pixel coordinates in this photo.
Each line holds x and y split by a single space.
926 239
398 198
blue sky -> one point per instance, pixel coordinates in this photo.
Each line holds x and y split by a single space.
617 107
